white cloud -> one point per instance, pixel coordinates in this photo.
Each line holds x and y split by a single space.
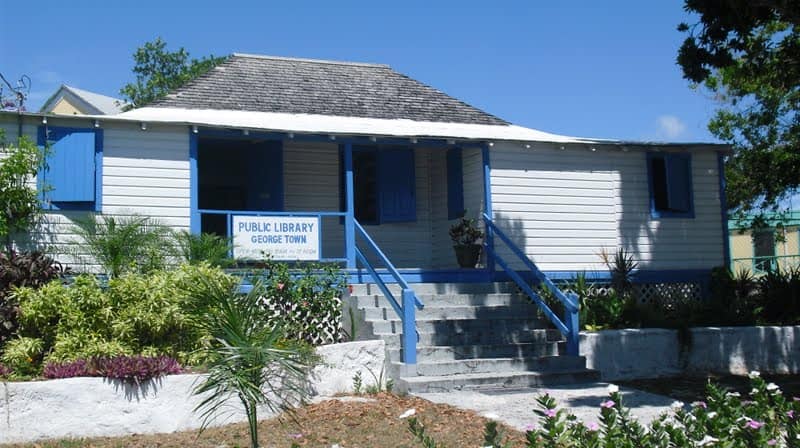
670 127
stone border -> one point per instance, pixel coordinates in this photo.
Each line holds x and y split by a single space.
649 353
90 407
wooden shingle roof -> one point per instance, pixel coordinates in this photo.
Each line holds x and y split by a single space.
306 86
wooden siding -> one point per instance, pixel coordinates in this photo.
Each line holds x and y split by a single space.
144 173
565 206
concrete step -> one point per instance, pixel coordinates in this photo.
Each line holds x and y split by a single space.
460 326
366 289
456 313
493 365
481 337
434 353
495 380
493 299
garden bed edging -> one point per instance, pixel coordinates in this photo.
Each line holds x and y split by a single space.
91 407
654 352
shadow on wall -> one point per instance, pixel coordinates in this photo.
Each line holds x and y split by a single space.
514 229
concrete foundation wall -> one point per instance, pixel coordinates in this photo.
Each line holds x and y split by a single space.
648 353
89 407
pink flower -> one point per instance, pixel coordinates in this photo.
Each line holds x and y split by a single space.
550 413
700 404
753 424
592 426
608 404
790 414
772 442
530 427
280 286
296 436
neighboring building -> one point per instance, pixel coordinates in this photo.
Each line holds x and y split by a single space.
774 246
73 101
343 162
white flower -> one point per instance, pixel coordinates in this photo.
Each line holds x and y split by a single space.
733 394
754 374
711 414
408 413
612 388
754 391
676 405
772 387
707 440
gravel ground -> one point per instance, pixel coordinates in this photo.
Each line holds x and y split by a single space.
515 407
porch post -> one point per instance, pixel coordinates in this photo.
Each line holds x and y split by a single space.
349 219
487 206
194 182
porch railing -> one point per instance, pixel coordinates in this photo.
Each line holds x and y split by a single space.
406 312
758 265
569 327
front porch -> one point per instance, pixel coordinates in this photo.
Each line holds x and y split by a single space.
404 192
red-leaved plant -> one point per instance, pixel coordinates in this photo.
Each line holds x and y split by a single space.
125 368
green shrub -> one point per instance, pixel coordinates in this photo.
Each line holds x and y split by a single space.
136 314
306 298
766 418
132 244
779 297
31 269
206 247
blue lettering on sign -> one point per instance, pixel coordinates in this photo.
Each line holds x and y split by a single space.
267 239
254 226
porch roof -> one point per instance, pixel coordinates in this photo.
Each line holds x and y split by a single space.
377 127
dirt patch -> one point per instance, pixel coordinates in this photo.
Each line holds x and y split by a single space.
349 424
693 388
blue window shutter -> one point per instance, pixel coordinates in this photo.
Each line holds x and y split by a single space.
397 182
455 184
679 182
69 174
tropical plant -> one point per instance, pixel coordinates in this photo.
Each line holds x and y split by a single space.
132 369
249 357
465 232
28 269
205 247
20 207
621 266
121 244
135 314
779 296
766 418
306 298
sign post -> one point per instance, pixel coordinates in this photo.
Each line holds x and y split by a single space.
281 237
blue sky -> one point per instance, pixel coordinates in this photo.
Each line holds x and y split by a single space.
586 68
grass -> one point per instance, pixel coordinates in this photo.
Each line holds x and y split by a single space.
346 423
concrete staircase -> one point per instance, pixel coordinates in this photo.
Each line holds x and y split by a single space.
471 336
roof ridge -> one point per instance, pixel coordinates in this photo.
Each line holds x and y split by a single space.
315 61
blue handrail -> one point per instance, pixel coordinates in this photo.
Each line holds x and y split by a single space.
409 301
569 327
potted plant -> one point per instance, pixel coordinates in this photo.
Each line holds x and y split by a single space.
466 237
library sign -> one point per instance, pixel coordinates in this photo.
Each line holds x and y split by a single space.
282 237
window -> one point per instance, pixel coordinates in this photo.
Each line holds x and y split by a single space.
763 249
455 184
384 184
71 177
670 181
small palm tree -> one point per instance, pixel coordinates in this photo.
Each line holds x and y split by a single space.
205 247
121 244
248 357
